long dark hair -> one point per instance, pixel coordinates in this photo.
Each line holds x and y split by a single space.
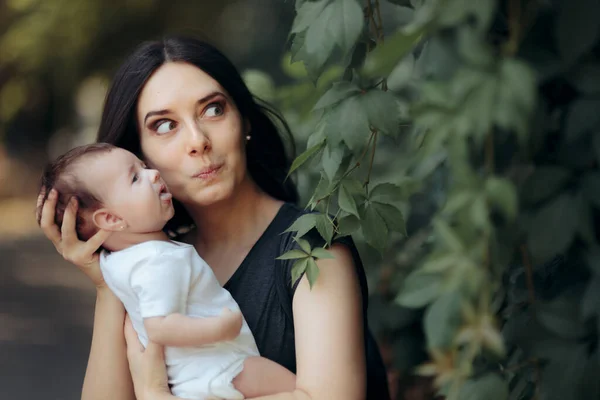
267 160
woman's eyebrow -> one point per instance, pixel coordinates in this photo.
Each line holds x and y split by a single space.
206 98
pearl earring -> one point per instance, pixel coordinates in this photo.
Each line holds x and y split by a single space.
248 137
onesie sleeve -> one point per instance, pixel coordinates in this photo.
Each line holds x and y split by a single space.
161 282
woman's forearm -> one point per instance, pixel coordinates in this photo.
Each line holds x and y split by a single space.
296 395
107 374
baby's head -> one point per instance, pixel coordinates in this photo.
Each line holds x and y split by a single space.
114 189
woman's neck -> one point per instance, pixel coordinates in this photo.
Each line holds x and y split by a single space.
240 219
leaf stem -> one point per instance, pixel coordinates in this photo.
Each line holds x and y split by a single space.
380 36
372 23
514 27
374 147
490 164
354 167
529 273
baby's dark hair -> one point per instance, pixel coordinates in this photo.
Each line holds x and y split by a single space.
60 175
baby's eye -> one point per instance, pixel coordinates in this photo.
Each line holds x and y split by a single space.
135 178
164 126
214 110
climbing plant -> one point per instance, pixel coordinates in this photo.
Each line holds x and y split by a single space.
460 140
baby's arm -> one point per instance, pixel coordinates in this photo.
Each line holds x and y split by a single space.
179 330
161 281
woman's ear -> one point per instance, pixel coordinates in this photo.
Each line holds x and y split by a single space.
104 219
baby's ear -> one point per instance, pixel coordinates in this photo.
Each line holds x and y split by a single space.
104 219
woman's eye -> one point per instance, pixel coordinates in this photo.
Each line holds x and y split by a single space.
214 110
135 178
165 126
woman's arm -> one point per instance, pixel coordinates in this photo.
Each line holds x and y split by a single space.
329 333
107 374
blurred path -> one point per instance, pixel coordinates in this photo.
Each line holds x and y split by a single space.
46 313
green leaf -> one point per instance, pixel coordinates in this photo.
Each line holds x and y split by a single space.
318 43
577 28
419 289
489 387
374 229
442 320
457 201
590 186
322 190
350 118
304 245
355 187
303 224
402 73
447 235
332 160
394 220
348 24
297 47
582 118
307 13
312 271
320 134
442 262
552 228
543 183
338 92
381 61
304 157
586 77
382 110
386 193
562 317
347 225
292 255
502 193
260 84
319 252
590 304
346 201
325 227
298 269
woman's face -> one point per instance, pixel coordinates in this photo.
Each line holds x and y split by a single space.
193 133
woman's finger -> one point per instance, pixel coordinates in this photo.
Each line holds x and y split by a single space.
47 223
156 352
131 337
67 229
40 202
96 241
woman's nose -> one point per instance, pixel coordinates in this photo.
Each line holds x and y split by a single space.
197 142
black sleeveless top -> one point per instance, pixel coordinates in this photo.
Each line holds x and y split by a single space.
262 288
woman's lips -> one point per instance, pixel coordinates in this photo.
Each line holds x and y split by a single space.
209 172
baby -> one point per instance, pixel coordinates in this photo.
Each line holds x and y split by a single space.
169 292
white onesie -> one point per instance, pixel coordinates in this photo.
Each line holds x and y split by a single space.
158 278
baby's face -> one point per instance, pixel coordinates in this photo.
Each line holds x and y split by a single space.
129 190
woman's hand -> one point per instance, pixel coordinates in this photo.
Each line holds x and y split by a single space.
82 254
147 367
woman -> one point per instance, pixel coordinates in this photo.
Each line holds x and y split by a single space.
182 106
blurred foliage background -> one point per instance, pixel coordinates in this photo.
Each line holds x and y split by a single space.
456 140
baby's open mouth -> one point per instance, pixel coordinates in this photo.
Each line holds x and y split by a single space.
164 193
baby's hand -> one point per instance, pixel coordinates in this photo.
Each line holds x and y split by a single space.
231 323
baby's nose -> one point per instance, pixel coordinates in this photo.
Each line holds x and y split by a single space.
155 175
